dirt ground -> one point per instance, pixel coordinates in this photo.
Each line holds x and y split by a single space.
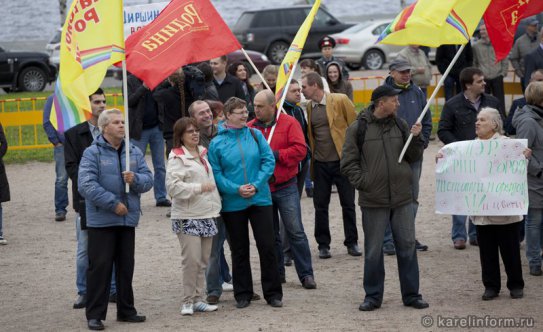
37 275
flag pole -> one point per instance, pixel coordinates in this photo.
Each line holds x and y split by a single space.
429 101
283 98
256 69
126 124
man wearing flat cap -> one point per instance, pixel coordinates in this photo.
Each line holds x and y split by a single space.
326 45
370 155
522 46
412 101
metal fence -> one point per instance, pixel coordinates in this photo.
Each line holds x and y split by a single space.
22 118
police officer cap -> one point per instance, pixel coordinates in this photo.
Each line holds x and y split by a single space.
327 41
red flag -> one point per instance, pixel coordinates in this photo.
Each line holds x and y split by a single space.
502 18
186 31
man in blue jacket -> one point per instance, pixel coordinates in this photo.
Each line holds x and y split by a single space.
112 216
61 180
412 102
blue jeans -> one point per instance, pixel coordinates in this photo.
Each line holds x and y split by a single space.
82 260
217 272
374 223
416 171
286 202
61 181
534 236
153 137
458 231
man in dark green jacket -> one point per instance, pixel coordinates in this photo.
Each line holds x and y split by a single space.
370 162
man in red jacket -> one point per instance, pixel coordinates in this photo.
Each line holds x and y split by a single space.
288 146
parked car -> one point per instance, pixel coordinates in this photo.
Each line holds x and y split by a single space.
271 31
25 71
357 47
53 47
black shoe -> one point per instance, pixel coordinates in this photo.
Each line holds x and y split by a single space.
474 242
113 298
164 203
535 270
283 279
95 325
420 247
81 302
255 297
287 261
243 304
389 249
368 306
60 216
132 319
354 250
516 293
309 192
418 304
276 303
489 294
309 283
324 253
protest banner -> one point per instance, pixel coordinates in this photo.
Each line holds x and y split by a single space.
482 178
138 16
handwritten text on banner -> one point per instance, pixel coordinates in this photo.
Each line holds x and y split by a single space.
482 177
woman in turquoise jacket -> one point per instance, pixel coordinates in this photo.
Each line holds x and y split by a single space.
243 163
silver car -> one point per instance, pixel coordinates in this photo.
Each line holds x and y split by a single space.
357 45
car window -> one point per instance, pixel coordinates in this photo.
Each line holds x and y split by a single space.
377 31
244 21
266 19
321 18
294 17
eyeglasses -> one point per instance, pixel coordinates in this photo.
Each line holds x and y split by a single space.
240 113
192 131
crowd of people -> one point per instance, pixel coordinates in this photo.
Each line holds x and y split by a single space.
234 160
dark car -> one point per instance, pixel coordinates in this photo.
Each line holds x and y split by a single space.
271 31
25 71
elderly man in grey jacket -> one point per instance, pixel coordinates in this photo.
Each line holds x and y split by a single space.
522 46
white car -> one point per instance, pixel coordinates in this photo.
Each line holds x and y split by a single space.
357 45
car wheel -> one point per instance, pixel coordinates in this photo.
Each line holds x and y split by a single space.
277 51
354 66
32 79
373 60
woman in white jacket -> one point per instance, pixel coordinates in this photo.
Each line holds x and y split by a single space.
195 205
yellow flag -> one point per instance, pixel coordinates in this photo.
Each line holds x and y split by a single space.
92 40
434 23
294 53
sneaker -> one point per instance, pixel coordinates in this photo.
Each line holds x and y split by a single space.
187 309
388 249
204 307
3 241
164 203
420 246
60 216
227 287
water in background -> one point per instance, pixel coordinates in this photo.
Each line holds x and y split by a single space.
30 20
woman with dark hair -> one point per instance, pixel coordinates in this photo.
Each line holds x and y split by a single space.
242 73
335 80
243 163
195 205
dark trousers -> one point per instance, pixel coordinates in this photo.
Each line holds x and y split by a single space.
495 87
300 178
237 226
325 174
496 240
106 246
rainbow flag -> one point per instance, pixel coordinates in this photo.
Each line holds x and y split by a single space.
294 53
434 23
92 40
